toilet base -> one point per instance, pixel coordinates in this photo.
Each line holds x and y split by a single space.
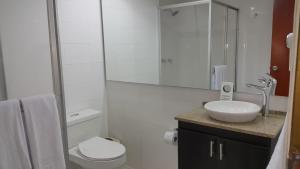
72 165
78 160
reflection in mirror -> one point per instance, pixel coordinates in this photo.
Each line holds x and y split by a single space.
223 44
184 45
131 40
187 60
188 43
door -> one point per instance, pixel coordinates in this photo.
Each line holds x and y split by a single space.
283 13
240 155
196 150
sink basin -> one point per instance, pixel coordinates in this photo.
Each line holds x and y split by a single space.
232 111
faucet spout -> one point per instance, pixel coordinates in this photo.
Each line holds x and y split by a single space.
268 88
256 86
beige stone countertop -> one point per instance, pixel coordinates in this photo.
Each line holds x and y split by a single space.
265 127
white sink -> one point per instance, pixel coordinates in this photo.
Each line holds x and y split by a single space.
232 111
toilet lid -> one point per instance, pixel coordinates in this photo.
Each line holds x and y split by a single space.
101 149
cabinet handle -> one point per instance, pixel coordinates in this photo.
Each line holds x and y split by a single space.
211 152
221 151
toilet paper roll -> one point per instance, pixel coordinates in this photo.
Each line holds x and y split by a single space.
170 137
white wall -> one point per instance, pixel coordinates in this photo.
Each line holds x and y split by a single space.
131 40
140 114
25 46
82 54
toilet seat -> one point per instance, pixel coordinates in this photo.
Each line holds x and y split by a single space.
100 149
86 163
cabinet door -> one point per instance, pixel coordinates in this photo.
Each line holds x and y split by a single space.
239 155
196 150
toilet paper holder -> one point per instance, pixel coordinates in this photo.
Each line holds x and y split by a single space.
171 136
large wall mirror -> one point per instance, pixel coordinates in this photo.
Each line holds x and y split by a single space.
196 44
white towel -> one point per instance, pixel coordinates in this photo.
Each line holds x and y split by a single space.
279 156
44 132
13 145
218 76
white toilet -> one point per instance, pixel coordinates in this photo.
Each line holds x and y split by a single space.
86 148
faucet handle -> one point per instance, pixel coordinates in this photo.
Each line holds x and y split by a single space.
271 83
271 79
261 88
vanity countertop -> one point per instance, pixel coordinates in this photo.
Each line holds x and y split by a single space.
265 127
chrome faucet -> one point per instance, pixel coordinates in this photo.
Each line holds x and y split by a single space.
268 86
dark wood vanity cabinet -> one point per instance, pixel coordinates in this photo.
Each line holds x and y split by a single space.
201 147
240 155
194 150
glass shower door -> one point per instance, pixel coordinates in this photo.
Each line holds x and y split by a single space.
184 46
224 29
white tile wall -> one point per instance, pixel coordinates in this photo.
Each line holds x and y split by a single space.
25 47
82 54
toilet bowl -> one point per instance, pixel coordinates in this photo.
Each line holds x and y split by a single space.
87 148
98 153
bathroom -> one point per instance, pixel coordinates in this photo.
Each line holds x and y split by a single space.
137 82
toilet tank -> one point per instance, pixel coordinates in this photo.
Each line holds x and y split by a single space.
83 125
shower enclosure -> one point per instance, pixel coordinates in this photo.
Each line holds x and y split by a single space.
196 37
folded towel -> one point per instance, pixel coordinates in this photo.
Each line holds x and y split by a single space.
218 76
13 145
44 132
